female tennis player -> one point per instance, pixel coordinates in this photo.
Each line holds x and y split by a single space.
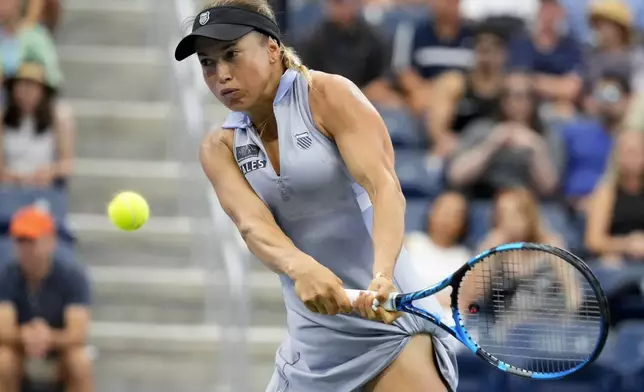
305 168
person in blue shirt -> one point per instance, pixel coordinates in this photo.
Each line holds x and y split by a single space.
589 141
554 59
44 311
427 49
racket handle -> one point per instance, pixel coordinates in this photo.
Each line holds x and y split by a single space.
390 303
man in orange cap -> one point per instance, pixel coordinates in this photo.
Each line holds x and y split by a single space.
44 315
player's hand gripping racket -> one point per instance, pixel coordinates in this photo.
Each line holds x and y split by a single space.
531 310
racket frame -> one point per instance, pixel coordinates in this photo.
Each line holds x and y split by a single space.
404 302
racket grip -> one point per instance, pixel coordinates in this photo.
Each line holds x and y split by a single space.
390 303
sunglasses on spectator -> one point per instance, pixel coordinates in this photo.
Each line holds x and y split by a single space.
608 94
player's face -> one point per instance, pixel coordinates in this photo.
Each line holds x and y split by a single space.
238 73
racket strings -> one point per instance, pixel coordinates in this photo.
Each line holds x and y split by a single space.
532 310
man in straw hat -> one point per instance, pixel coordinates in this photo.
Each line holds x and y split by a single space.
44 314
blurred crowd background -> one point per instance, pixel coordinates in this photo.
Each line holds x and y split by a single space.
512 120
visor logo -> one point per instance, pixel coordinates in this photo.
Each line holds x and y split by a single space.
204 18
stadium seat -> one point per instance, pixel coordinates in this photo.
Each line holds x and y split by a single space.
302 17
556 217
628 348
389 21
416 214
476 376
597 377
417 177
480 221
405 130
6 250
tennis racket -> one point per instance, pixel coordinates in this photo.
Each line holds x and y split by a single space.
531 310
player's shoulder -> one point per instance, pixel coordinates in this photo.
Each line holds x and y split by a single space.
332 89
323 81
218 138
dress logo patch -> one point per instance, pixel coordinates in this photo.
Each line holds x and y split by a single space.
246 151
304 140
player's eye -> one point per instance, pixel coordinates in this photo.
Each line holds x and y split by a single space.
230 55
206 62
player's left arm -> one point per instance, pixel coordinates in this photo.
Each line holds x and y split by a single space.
343 113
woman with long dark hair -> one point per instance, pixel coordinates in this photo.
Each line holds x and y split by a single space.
37 132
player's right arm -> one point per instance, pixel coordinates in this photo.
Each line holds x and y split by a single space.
321 291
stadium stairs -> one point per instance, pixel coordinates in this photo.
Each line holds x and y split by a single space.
150 327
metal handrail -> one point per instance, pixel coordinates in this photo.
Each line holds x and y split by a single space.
234 320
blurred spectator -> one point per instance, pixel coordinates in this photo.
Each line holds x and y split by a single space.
438 252
426 50
45 12
37 132
615 228
577 17
588 142
634 117
516 218
554 58
44 316
470 95
20 41
345 44
512 149
612 25
477 9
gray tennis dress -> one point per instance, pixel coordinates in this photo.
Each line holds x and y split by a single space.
318 204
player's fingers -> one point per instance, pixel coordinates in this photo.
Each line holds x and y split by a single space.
359 306
311 306
342 301
330 306
371 314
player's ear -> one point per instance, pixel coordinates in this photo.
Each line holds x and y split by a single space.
274 50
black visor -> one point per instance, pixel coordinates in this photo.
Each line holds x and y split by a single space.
225 24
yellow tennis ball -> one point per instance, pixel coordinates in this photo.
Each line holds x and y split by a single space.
128 211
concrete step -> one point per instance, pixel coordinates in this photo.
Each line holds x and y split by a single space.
180 296
114 22
132 130
147 247
115 73
162 183
117 371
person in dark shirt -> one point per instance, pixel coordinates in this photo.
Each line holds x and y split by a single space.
44 315
427 49
345 44
467 96
554 59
